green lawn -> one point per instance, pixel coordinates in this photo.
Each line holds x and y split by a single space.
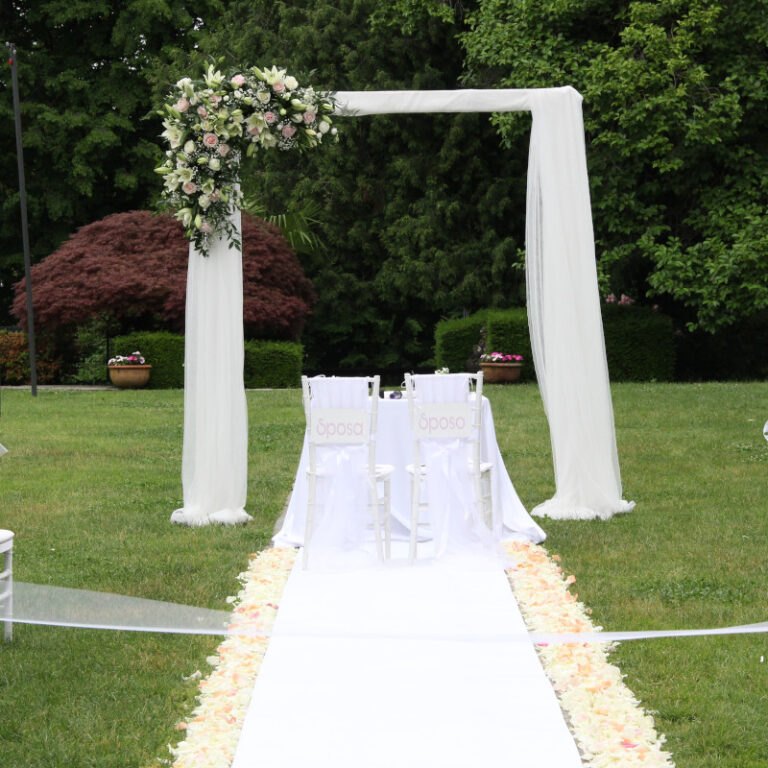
92 478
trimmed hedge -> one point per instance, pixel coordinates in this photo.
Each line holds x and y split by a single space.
736 353
273 364
455 340
267 365
639 342
508 334
163 350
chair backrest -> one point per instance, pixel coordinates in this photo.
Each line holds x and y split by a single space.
340 411
445 407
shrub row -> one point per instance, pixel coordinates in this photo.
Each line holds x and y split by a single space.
455 340
268 364
639 342
14 359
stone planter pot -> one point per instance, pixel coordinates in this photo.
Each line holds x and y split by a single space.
500 373
129 376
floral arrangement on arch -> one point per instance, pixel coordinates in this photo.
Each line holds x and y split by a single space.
210 122
500 357
135 358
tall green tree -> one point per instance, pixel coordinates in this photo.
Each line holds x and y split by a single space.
675 104
84 69
422 216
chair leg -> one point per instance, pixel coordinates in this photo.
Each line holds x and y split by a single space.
415 493
387 518
7 604
311 498
374 502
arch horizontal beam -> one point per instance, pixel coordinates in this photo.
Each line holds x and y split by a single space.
361 103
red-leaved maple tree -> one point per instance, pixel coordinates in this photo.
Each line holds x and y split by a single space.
133 266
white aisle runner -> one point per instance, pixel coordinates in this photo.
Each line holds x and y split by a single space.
397 668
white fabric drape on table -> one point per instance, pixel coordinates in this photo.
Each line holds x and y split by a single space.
394 445
215 454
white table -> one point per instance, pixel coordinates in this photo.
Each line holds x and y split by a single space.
394 445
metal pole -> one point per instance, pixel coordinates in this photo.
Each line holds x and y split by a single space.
24 226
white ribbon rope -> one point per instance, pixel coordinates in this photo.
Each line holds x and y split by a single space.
83 609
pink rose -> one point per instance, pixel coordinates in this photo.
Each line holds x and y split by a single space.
309 117
215 99
278 87
288 131
610 299
189 187
206 227
254 130
224 150
182 104
238 80
210 140
202 111
270 117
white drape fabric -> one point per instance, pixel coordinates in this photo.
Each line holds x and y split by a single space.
564 314
215 454
563 301
563 309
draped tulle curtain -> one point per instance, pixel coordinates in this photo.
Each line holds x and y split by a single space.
564 314
563 302
215 453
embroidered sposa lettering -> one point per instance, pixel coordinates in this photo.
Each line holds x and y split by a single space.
339 425
443 420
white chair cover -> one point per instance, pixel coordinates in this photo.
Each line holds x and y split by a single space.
341 511
453 511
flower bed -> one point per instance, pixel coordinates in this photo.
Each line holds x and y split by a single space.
607 721
213 731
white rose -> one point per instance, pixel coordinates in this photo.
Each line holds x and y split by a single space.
204 201
189 147
324 127
214 164
291 83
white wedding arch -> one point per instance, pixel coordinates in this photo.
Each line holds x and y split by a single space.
563 311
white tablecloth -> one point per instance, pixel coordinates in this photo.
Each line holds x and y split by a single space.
394 445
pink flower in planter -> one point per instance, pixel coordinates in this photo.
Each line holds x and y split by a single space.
210 139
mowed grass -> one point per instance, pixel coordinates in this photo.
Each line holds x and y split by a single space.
92 478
